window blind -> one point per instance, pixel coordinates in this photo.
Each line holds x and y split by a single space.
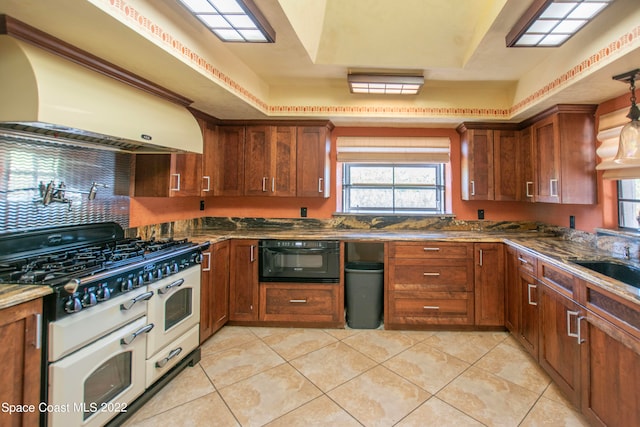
609 136
393 149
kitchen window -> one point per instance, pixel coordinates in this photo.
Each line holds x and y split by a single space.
629 203
393 188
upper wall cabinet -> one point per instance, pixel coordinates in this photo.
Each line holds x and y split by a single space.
551 159
270 161
167 175
313 171
563 146
491 168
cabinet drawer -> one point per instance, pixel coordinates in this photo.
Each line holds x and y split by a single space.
430 249
299 303
431 275
436 308
556 278
527 262
616 310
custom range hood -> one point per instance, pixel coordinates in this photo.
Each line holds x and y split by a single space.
49 98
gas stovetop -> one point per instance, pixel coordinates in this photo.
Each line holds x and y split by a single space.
89 264
49 269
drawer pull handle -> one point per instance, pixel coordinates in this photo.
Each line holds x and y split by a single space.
177 187
208 183
298 301
430 274
173 353
430 249
522 260
431 307
529 185
129 338
163 290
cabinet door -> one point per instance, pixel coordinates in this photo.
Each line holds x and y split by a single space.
489 284
528 336
560 341
214 292
512 292
257 161
20 334
610 375
312 160
186 175
283 175
209 138
243 280
477 165
507 165
229 163
547 153
526 164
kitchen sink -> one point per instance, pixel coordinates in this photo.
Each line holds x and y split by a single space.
622 272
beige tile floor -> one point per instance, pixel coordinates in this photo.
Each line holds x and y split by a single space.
329 377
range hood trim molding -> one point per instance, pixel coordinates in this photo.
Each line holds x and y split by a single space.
21 31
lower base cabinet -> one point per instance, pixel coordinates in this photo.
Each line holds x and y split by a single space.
214 292
20 352
431 308
305 303
561 341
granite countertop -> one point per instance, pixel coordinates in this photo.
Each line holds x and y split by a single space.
555 250
11 295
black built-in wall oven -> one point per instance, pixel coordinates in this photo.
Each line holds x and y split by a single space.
304 261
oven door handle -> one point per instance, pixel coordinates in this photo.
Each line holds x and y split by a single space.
129 338
163 290
142 297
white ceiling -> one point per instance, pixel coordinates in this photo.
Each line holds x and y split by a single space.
457 44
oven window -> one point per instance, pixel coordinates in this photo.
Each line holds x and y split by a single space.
177 307
299 261
106 382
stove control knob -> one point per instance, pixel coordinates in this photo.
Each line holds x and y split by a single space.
150 277
89 299
159 273
73 305
197 258
175 267
104 293
139 280
127 285
167 270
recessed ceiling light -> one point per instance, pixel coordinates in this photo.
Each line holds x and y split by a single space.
550 23
232 20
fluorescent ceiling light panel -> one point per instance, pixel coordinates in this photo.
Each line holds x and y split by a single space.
385 84
550 23
232 20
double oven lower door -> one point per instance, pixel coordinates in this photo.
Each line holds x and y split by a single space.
97 361
175 312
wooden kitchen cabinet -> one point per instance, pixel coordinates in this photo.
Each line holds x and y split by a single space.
561 341
610 374
167 175
313 166
270 161
214 292
477 164
563 141
521 298
243 280
526 164
429 283
489 291
21 334
490 163
301 303
229 161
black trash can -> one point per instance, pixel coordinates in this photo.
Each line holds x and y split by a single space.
364 288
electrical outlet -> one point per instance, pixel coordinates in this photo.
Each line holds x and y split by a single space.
303 212
572 221
201 205
480 213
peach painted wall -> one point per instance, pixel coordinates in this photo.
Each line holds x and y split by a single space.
145 211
